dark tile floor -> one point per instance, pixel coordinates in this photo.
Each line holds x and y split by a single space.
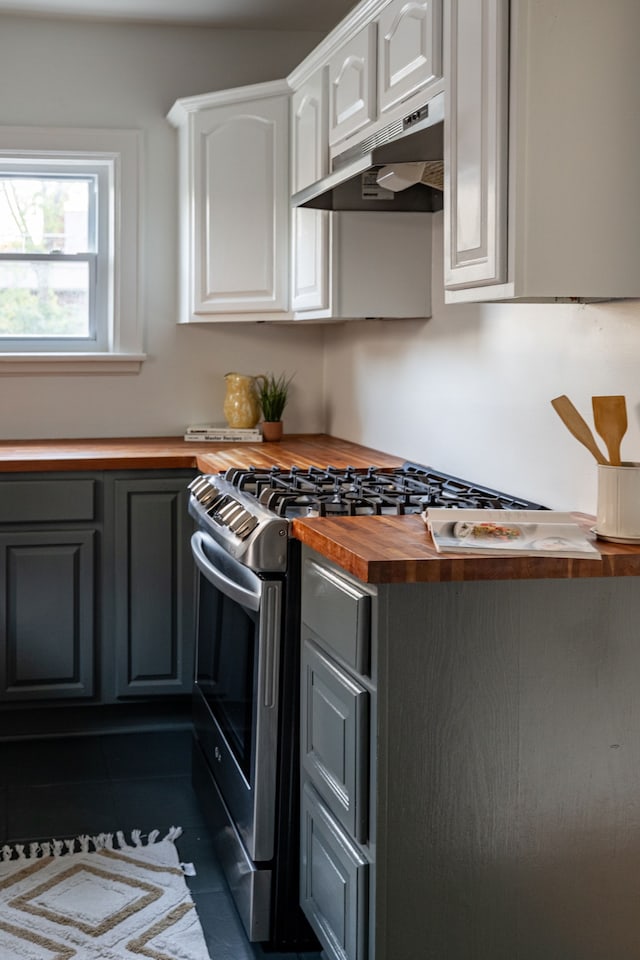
122 781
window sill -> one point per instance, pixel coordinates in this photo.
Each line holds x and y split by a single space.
65 363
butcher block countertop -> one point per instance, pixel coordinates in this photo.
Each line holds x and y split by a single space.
384 549
156 453
400 550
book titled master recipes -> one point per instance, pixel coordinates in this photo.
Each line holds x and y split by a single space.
528 533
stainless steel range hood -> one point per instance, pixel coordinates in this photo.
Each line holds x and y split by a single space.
353 181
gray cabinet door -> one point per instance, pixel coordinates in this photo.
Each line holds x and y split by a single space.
46 614
154 587
335 738
333 883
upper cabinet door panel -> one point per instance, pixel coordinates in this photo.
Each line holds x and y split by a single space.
476 144
409 49
352 86
310 153
241 227
310 259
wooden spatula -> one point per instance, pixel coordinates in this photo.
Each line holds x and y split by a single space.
577 426
610 418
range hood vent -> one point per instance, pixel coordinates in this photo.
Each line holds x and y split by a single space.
398 168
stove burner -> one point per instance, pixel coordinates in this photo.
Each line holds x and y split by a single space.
352 491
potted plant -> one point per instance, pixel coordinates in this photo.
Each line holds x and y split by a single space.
273 393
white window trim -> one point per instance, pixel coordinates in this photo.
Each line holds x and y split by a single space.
124 149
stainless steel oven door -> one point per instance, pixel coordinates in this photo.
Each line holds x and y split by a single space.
237 687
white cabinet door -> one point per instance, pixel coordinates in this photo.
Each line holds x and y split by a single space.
234 203
352 86
475 153
240 219
310 149
310 260
409 49
310 229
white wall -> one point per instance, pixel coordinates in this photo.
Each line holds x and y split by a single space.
468 391
73 74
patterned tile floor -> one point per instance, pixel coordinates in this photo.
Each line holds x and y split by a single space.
122 781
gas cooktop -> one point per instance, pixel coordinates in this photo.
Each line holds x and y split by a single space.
348 491
248 511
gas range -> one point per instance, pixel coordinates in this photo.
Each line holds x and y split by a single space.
249 510
247 690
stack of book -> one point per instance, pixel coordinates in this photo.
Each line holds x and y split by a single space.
524 533
211 432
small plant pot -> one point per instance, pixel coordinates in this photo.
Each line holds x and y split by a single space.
272 430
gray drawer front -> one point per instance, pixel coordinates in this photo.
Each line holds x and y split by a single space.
333 883
43 501
335 738
339 613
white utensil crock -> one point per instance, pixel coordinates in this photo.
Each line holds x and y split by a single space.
618 515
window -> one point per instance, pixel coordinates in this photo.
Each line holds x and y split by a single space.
69 250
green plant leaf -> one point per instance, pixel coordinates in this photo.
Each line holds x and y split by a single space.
273 393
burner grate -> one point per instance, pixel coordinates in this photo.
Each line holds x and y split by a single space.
351 491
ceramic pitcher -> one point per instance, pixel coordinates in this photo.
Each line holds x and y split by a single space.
241 407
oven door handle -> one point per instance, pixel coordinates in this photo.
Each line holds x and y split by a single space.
235 591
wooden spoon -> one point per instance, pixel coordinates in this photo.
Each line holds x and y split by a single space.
610 417
577 426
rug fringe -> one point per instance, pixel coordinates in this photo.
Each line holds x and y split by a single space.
85 843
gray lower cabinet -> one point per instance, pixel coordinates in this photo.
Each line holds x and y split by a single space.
96 587
153 587
338 769
503 785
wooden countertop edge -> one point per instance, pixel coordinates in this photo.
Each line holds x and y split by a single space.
409 556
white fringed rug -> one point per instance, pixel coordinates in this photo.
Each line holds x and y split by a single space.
98 898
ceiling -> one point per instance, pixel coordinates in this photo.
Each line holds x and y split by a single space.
316 15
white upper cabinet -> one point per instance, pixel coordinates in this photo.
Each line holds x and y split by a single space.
352 88
348 264
310 146
542 193
310 229
234 203
409 50
476 142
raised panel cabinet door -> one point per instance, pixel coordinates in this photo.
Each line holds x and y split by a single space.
334 879
476 50
241 207
409 49
310 229
309 149
47 615
352 86
311 272
154 588
335 738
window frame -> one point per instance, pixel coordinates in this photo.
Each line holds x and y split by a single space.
116 156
